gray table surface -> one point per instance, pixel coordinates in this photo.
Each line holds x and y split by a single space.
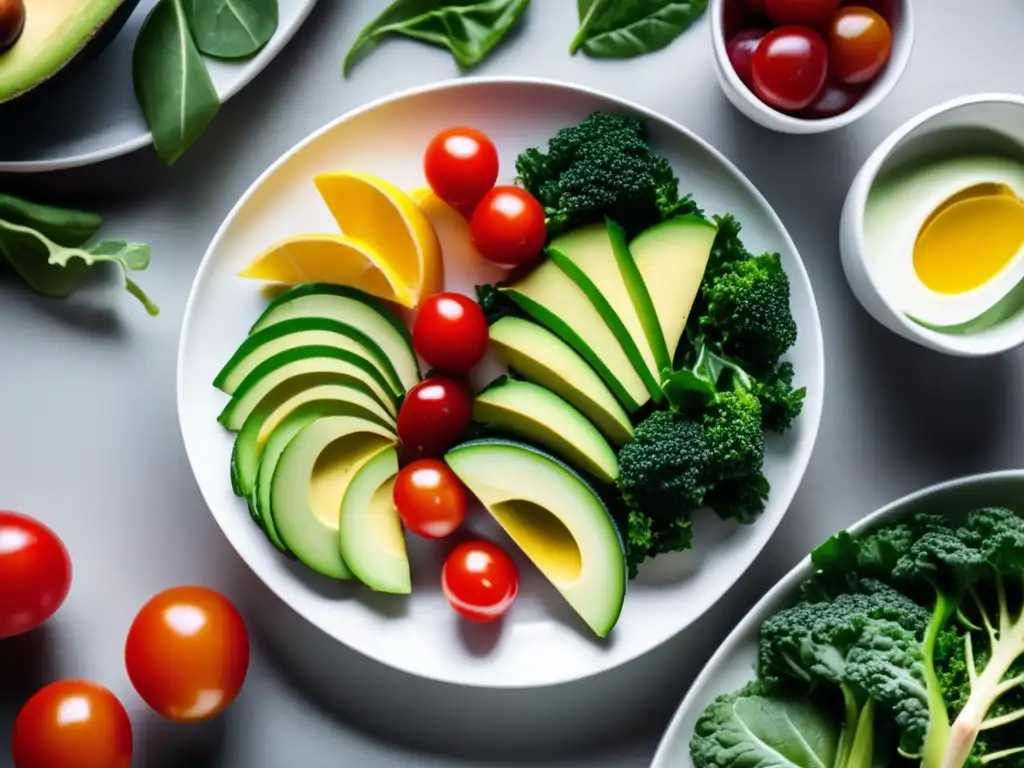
91 442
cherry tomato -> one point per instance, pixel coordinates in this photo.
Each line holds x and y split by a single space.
756 5
35 571
461 165
508 226
832 101
450 332
811 13
434 415
187 653
430 498
480 580
741 53
860 42
72 724
790 68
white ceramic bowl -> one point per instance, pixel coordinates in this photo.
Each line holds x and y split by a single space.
540 641
901 17
735 662
983 122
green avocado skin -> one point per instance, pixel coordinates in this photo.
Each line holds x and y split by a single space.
102 37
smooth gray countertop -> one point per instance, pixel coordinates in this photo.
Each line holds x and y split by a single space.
91 443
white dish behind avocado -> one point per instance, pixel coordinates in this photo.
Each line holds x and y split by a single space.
543 642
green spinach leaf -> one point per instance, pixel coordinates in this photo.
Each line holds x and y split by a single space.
232 29
172 85
620 29
469 29
62 225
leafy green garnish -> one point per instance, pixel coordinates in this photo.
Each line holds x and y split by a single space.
613 29
232 29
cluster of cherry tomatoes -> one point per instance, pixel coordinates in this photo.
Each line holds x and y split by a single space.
811 58
186 654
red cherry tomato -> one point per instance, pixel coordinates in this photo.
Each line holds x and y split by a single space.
461 165
480 580
790 68
860 43
811 13
741 53
187 653
35 573
508 226
434 415
450 332
756 5
430 498
72 724
832 101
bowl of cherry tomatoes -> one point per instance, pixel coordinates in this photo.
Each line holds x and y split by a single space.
810 66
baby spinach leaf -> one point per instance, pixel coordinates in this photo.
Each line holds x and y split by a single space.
62 225
231 29
469 29
172 85
620 29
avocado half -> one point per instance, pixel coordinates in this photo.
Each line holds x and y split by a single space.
56 39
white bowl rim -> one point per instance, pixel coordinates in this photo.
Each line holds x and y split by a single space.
788 583
903 45
966 345
810 417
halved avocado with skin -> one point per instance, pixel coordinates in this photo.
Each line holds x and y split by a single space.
556 518
372 541
355 308
312 476
57 36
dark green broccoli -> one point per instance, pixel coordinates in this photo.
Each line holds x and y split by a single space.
781 402
732 426
727 247
739 498
602 167
495 303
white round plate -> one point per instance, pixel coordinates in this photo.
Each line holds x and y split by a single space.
540 641
91 115
735 663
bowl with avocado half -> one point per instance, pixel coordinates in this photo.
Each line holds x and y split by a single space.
526 400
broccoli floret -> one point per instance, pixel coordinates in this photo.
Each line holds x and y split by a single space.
727 247
495 303
781 402
602 167
732 426
739 498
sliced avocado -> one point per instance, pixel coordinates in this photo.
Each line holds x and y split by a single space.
551 297
55 36
272 410
310 480
596 257
556 518
302 361
303 332
672 257
372 542
538 355
537 414
354 308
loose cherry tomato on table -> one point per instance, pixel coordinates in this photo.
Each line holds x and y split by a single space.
480 580
35 573
450 332
72 724
860 43
508 226
461 165
741 53
811 13
433 416
430 498
790 68
187 653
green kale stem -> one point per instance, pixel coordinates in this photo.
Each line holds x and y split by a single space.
935 743
862 749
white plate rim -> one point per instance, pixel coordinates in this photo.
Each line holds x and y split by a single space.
256 65
767 526
788 583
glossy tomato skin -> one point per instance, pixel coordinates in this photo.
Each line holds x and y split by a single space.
480 580
430 498
450 333
810 13
790 68
433 416
72 724
741 53
35 573
508 226
860 43
187 653
461 165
